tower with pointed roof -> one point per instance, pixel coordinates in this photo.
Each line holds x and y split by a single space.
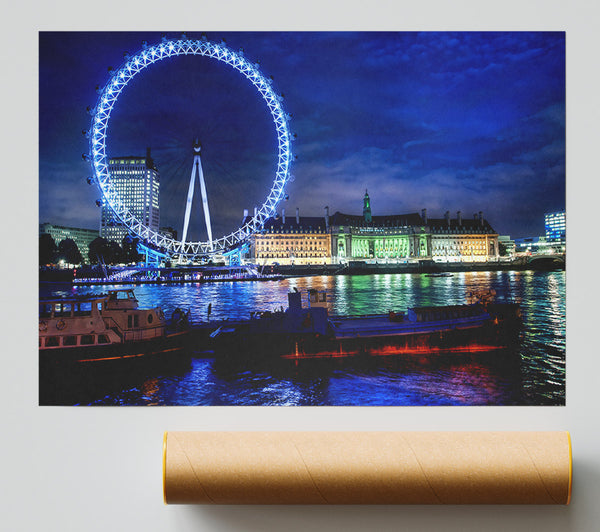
367 207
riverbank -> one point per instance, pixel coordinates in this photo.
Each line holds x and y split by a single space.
424 266
277 272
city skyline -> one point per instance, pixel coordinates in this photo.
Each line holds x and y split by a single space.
442 121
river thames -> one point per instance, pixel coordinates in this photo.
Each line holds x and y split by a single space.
532 374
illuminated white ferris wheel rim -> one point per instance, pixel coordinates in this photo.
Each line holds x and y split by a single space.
99 130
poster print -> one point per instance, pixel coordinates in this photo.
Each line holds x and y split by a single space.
302 218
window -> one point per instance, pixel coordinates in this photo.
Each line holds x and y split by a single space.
52 341
84 309
87 339
70 340
103 339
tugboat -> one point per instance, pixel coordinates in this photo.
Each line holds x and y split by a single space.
309 332
107 327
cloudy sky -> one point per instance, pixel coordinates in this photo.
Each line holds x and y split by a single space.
443 121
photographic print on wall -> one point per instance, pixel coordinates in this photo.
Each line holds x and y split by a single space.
302 218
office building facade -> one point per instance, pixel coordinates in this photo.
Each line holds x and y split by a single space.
81 237
136 179
556 227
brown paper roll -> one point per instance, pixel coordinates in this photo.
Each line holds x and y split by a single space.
367 467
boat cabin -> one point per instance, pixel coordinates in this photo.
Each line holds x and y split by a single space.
70 308
314 299
98 320
121 300
317 298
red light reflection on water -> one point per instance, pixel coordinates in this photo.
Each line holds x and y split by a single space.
420 350
323 354
391 350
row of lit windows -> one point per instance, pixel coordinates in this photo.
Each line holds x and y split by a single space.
462 241
287 249
459 252
378 231
293 244
474 246
275 255
132 173
298 245
127 161
380 254
130 186
133 186
294 231
290 237
455 231
291 240
129 193
457 245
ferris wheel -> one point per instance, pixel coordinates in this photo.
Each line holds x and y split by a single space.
98 134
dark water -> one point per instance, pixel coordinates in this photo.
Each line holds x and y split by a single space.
534 374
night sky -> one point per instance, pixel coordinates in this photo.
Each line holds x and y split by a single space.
443 121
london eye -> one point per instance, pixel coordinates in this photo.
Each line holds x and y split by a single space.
119 78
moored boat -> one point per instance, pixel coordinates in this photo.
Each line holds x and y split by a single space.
308 331
107 327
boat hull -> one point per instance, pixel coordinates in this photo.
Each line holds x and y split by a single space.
377 336
168 345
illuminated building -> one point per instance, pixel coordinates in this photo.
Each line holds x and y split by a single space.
409 237
530 245
81 237
137 183
462 240
538 245
395 238
382 237
556 227
293 240
504 241
553 242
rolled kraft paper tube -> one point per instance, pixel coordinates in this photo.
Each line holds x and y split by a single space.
367 467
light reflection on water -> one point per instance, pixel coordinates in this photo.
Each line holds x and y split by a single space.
533 375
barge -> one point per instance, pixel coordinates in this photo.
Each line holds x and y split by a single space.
308 331
107 327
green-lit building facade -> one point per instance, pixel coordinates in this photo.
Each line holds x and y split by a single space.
408 237
384 237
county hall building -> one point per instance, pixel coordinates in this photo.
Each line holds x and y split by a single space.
341 238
